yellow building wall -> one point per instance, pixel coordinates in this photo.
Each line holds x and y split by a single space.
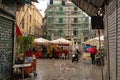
29 20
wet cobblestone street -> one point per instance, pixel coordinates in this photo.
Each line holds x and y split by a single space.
55 69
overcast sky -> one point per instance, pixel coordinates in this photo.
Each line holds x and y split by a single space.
42 5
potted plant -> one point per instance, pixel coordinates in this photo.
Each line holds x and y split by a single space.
22 43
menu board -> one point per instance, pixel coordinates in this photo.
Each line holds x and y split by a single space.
6 47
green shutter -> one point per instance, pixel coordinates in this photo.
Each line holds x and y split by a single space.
60 8
60 20
6 48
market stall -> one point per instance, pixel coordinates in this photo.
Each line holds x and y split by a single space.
41 40
63 45
95 41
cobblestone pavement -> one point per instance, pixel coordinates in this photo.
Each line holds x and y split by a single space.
55 69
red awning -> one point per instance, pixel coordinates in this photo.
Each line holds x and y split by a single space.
18 32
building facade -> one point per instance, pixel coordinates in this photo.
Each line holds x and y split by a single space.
64 19
7 37
7 22
29 20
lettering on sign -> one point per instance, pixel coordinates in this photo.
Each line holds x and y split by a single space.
0 1
7 9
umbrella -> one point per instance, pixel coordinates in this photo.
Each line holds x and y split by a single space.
95 41
92 50
61 41
41 40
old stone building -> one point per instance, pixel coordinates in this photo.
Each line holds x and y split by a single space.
29 19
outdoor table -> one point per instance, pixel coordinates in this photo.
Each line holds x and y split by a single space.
22 66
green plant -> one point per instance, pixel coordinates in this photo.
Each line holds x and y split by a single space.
23 42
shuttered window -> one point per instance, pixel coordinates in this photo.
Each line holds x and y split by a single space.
60 20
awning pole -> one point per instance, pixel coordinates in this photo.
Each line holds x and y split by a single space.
100 48
99 39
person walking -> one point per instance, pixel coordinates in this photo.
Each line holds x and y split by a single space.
92 50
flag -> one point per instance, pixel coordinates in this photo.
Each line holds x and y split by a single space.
18 32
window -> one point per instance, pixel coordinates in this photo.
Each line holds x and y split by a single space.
75 8
48 20
75 20
87 19
75 32
60 8
30 18
51 2
63 3
22 24
60 20
57 2
60 31
86 25
29 29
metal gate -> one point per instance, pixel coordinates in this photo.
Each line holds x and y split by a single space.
111 34
118 40
6 47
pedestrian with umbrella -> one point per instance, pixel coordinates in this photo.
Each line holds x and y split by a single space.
92 50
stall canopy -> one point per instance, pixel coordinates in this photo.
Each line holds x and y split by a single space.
101 38
95 41
61 41
41 40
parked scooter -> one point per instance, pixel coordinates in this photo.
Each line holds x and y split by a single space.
100 58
